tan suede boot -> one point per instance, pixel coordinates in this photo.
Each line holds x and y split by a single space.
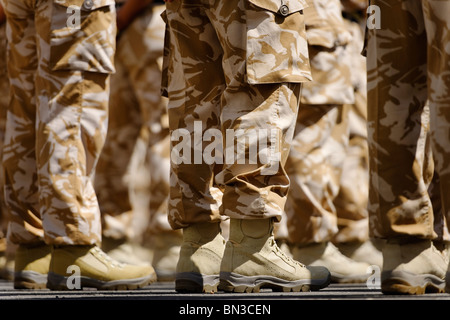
31 266
342 268
201 253
96 270
413 268
252 260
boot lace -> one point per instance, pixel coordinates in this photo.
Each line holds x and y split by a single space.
107 258
283 254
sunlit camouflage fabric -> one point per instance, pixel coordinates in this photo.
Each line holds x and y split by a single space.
215 82
89 47
328 160
4 101
351 201
56 121
408 86
132 176
327 37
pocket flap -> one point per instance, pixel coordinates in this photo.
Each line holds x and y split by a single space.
325 25
85 4
275 5
327 36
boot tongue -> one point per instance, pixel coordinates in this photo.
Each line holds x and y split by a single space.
201 232
257 228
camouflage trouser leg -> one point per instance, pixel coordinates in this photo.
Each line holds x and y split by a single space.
56 121
401 165
351 201
209 93
126 172
314 167
4 100
112 172
322 132
159 188
329 198
438 33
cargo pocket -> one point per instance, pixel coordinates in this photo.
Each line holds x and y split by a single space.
83 35
277 50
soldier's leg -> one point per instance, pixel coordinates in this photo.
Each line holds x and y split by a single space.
314 165
87 115
255 104
6 247
314 178
140 54
400 208
143 60
399 203
192 100
70 110
352 238
19 161
193 198
351 202
112 172
321 143
258 99
438 68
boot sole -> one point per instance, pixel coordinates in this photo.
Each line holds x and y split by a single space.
341 278
58 282
30 280
193 282
233 282
402 282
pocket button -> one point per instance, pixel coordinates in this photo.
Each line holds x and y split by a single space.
88 4
284 10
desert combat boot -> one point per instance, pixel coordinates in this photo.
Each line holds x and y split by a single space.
252 260
79 266
414 267
201 253
31 266
342 268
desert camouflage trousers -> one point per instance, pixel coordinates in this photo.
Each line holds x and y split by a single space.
328 168
132 176
408 119
328 165
235 73
4 100
59 68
